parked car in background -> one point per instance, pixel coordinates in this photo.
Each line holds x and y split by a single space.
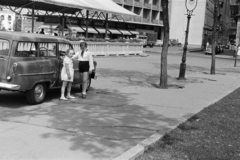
174 42
159 43
219 49
149 39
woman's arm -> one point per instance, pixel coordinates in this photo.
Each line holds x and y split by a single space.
75 56
91 62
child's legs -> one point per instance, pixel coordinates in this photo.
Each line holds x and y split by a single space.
69 88
85 79
64 84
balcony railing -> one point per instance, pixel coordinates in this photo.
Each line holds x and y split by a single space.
129 2
119 1
147 5
155 7
160 22
138 4
146 20
127 18
155 21
137 19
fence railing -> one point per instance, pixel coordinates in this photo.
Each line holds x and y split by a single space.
111 49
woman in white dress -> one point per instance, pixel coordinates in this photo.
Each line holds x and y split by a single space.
67 74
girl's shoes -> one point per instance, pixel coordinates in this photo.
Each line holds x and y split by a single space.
63 98
84 96
70 97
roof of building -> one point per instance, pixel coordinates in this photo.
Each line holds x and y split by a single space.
70 6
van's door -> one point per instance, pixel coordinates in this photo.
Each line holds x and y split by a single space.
4 57
62 48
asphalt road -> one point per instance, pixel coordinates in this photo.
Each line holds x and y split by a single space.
128 64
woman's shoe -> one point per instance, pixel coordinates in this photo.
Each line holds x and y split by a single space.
63 98
84 96
70 97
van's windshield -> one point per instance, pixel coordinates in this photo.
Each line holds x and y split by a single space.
4 47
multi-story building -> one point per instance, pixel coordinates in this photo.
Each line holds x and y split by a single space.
149 20
233 21
150 15
201 22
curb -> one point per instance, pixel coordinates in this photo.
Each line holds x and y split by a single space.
139 149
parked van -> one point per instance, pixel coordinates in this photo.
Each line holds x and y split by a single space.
32 63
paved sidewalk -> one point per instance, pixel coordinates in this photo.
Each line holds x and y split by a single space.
122 110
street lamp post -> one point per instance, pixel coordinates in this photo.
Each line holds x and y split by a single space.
190 6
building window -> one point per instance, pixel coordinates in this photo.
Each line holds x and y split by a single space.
2 17
161 16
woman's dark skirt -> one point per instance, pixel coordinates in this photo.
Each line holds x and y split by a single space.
83 66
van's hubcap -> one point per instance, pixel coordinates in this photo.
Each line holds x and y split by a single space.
39 92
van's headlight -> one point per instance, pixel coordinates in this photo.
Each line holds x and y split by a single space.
9 78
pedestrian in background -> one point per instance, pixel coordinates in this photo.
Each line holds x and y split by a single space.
85 65
42 31
67 74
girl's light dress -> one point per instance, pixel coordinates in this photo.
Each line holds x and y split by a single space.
64 76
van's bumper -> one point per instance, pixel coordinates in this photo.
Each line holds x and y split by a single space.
13 87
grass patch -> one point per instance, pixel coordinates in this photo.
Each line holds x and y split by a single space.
212 134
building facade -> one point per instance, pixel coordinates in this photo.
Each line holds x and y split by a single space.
149 20
201 23
150 15
233 21
7 20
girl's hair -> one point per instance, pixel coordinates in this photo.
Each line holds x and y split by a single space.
68 51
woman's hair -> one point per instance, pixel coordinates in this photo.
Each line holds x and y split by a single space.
83 43
68 51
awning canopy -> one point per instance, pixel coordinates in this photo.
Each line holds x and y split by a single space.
134 32
125 32
75 28
90 29
101 30
69 6
50 25
108 6
114 31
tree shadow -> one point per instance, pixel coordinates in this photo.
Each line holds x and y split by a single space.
103 126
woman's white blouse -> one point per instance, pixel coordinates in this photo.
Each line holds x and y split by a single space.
87 56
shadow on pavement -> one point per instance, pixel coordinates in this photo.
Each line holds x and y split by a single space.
102 125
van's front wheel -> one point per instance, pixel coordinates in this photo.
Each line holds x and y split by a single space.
37 94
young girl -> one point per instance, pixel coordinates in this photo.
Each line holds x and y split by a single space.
67 74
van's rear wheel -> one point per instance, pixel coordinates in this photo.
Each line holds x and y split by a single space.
37 94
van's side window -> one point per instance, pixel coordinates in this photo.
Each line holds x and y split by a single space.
47 50
4 47
26 49
63 47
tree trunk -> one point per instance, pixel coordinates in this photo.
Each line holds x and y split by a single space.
214 35
163 73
